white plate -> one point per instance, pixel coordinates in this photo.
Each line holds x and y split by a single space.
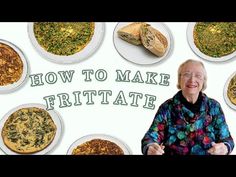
84 139
139 54
190 38
91 47
56 118
13 87
227 100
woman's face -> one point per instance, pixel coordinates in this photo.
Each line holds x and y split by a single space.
192 79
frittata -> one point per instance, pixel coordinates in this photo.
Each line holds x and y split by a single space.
215 39
11 65
63 38
231 92
28 130
98 147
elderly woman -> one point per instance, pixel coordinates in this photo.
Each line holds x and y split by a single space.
190 122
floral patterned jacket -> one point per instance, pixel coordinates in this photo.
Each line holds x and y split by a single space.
182 132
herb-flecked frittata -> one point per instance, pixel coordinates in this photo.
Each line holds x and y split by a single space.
28 130
63 38
215 39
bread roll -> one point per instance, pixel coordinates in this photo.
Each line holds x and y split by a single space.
153 40
131 33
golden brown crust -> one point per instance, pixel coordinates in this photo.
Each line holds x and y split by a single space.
28 130
11 65
153 40
131 33
159 36
98 147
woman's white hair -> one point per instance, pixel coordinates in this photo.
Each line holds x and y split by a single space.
192 61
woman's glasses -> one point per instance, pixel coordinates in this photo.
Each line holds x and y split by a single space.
189 75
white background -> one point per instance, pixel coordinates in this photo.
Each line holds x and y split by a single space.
124 122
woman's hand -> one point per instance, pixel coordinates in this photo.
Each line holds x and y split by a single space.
155 149
218 149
